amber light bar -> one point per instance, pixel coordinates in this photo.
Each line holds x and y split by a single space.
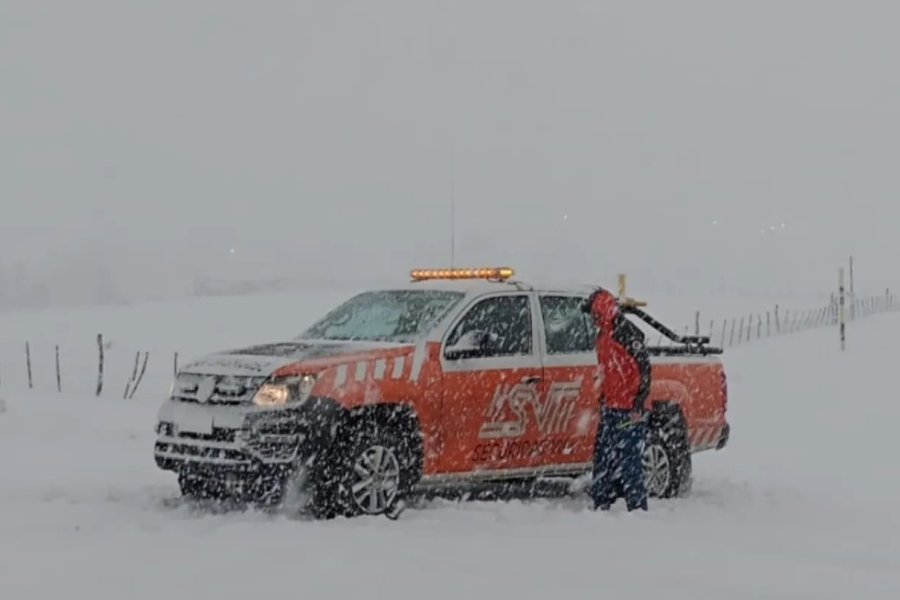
494 274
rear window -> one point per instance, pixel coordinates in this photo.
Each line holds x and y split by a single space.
386 316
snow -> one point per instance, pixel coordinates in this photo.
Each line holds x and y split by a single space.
802 504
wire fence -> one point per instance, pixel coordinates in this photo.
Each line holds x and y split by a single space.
777 321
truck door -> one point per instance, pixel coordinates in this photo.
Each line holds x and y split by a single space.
491 374
570 386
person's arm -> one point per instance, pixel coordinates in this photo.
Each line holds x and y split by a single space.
642 358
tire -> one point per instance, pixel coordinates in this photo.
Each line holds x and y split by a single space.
192 488
377 471
667 460
369 471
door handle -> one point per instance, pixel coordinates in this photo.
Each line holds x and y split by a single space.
533 380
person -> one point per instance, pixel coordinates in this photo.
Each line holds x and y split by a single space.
625 370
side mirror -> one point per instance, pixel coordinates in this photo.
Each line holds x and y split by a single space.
472 344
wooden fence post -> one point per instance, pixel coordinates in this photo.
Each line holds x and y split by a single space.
100 364
842 304
758 326
134 373
28 364
731 339
724 327
58 374
175 365
140 378
741 331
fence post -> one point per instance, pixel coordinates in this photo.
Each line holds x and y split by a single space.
758 326
175 365
58 374
741 332
28 364
134 373
140 378
100 364
697 323
724 327
842 315
749 326
768 324
731 338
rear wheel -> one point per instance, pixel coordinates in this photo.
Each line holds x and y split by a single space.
667 461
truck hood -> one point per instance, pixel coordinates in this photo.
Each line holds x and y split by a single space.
262 360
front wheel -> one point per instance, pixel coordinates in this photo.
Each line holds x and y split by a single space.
368 472
376 471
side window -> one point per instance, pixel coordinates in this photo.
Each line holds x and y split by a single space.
506 319
567 329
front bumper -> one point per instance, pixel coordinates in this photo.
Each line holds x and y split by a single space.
244 440
175 453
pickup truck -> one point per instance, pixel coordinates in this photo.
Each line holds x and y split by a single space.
459 379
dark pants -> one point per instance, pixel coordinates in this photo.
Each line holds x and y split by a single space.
618 471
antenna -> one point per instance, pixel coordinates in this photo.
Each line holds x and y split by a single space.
452 220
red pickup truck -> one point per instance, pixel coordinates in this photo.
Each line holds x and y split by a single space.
460 379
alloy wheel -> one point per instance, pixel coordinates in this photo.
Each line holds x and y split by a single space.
657 471
376 480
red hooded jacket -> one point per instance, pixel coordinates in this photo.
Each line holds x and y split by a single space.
622 354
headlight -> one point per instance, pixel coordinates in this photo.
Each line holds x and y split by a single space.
279 394
271 394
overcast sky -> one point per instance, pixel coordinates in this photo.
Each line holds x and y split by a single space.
750 144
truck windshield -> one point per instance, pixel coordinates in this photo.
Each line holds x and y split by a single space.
391 316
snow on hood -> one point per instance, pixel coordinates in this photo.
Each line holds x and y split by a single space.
262 360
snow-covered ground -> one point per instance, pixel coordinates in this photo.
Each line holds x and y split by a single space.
802 504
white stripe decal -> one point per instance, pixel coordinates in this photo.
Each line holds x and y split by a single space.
340 377
713 436
399 364
418 361
380 368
